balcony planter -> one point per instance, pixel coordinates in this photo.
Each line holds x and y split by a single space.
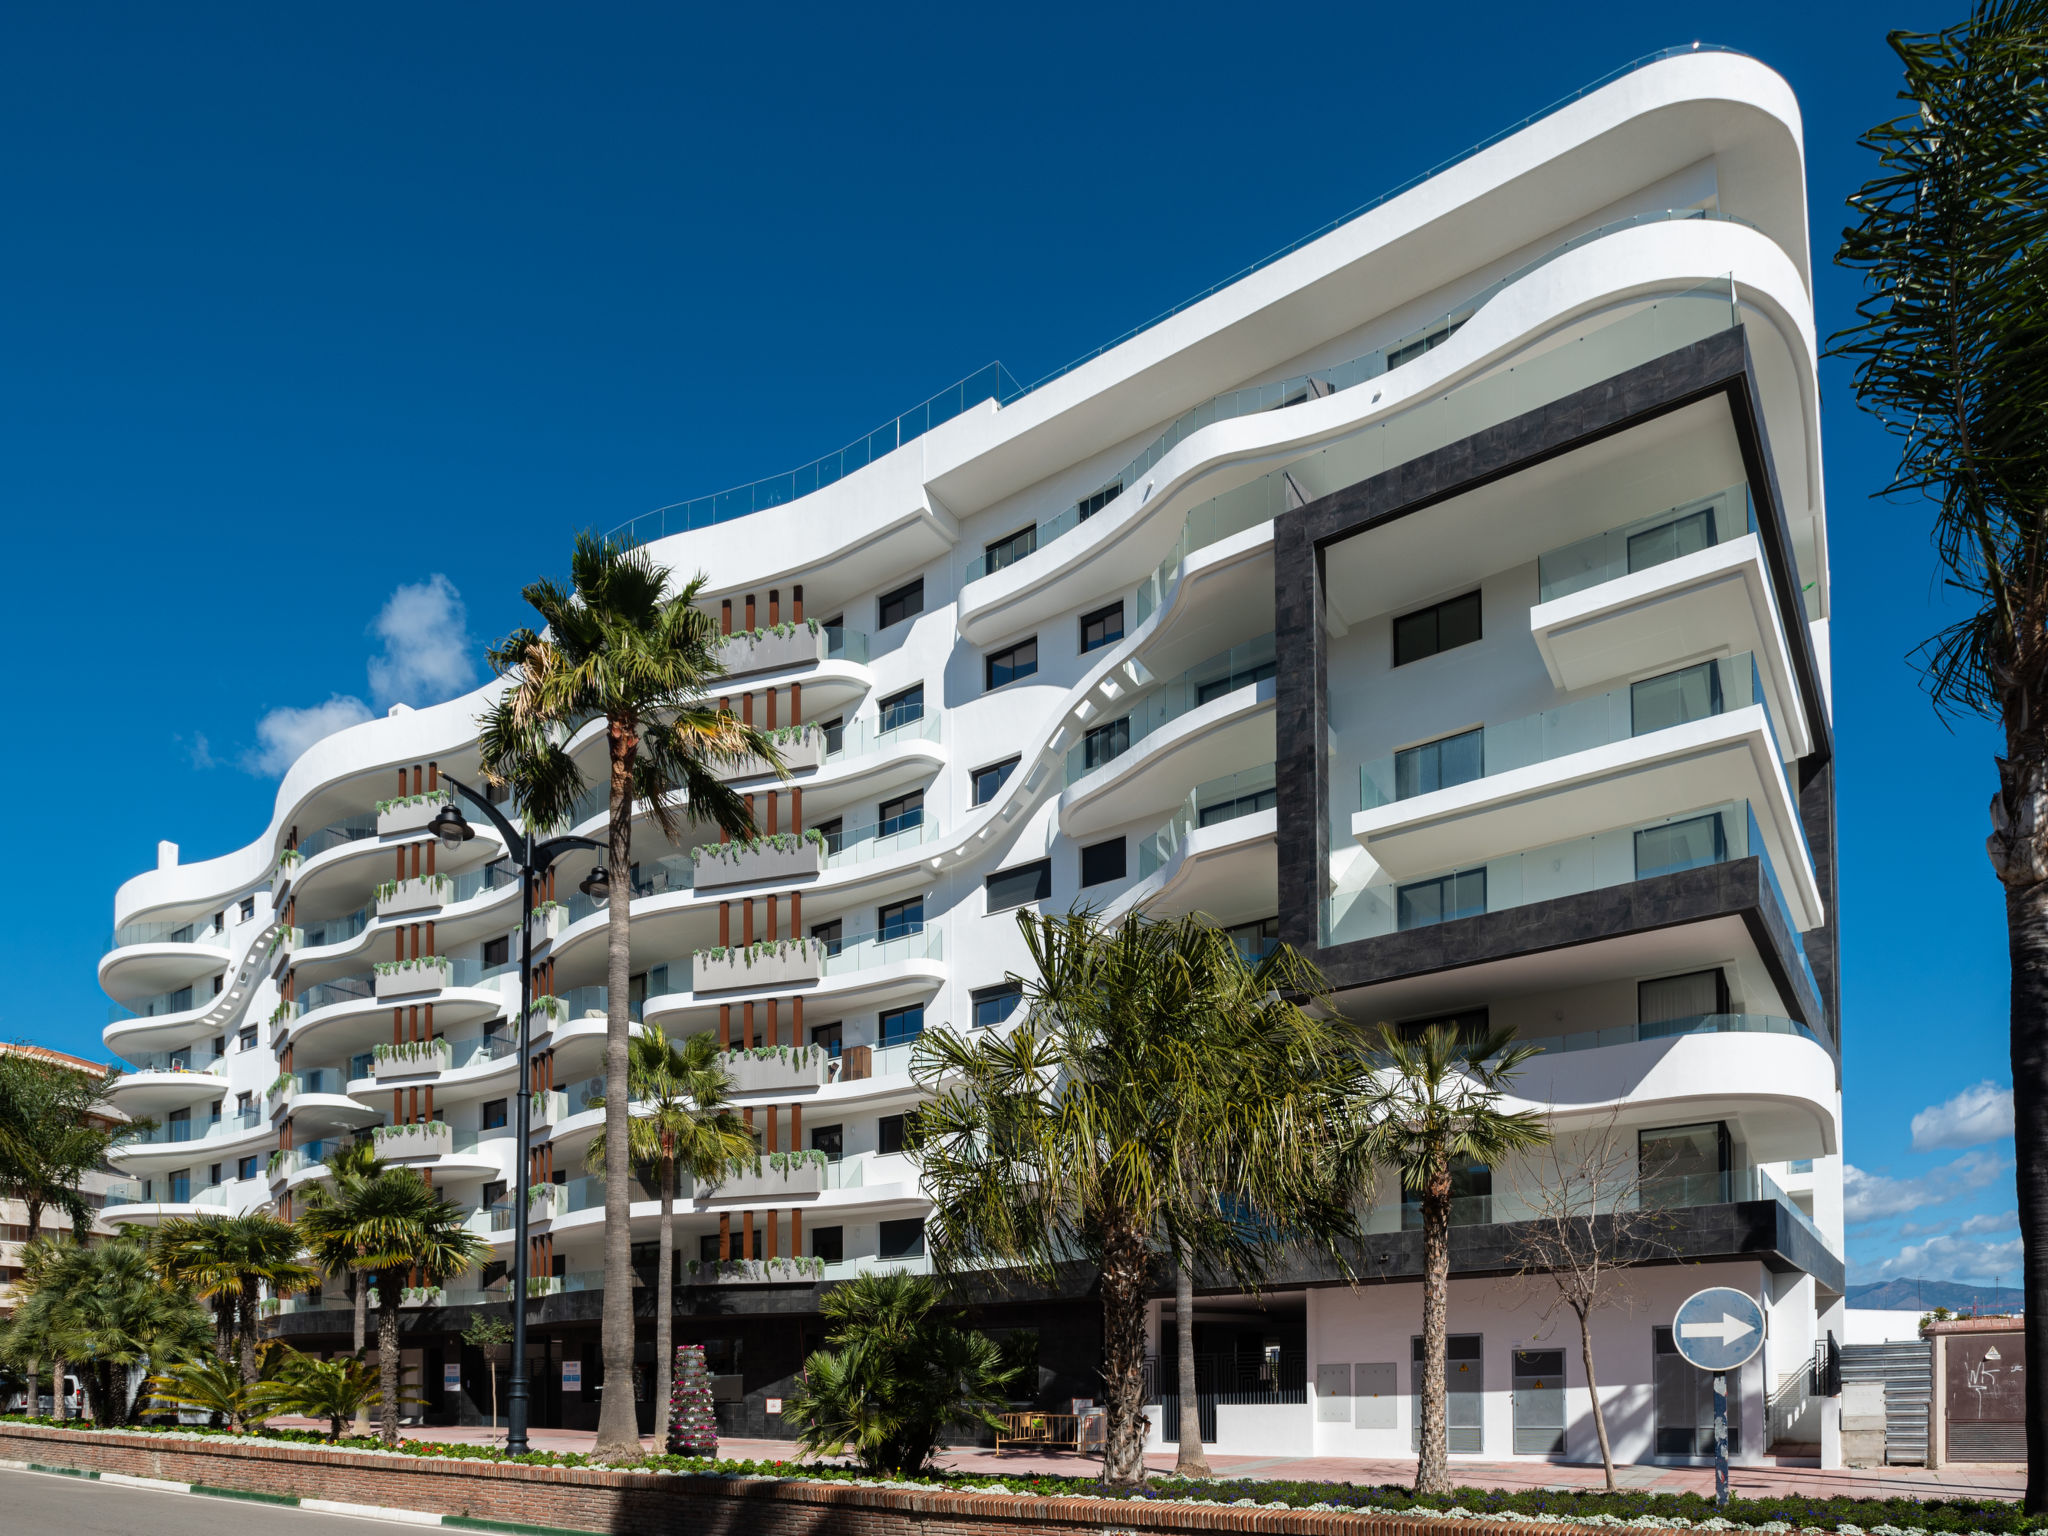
397 978
802 748
754 1271
785 856
397 1143
776 1068
423 1296
422 894
542 1201
778 1176
546 921
410 1058
775 649
783 963
543 1285
288 863
410 813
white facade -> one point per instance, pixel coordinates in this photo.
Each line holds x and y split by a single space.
1099 555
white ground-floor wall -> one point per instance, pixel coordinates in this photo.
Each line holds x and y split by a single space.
1509 1346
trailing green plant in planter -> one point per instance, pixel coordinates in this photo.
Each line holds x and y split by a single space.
783 631
289 858
284 1084
795 1055
422 963
760 949
280 1013
389 888
282 938
412 1050
406 802
779 842
423 1128
550 1005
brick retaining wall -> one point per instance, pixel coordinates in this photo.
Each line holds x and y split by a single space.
649 1504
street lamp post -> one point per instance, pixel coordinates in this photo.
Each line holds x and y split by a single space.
535 859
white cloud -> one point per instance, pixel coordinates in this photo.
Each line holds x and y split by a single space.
285 732
1873 1196
1992 1221
1971 1118
427 655
1950 1258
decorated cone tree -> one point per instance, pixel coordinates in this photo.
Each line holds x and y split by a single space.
692 1427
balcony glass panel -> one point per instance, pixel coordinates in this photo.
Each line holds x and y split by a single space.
1647 542
336 930
871 841
189 931
352 829
1218 800
861 737
865 951
1251 661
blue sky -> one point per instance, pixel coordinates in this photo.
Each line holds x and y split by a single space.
321 332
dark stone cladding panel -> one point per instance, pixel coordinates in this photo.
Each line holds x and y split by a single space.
1738 888
1718 365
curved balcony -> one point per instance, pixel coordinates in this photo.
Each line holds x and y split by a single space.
157 957
353 1013
174 1020
167 1080
144 1204
1214 854
321 1098
211 1140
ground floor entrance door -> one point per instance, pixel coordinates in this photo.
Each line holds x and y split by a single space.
1539 1402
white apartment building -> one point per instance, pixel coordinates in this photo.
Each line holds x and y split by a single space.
1447 597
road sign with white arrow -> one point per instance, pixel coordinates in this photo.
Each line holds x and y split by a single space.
1718 1328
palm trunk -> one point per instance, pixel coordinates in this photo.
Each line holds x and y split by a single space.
1192 1463
1125 1268
245 1321
387 1359
618 1424
492 1362
57 1389
2026 916
360 1336
1593 1391
1432 1467
664 1305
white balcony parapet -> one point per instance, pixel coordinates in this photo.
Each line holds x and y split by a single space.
783 856
802 747
421 893
422 1139
411 1058
410 813
778 1176
776 1068
781 963
398 978
423 1296
774 648
779 1271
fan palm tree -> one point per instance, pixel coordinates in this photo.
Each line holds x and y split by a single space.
104 1308
395 1227
1434 1105
335 1390
1137 1107
230 1261
214 1383
895 1376
1950 348
621 648
329 1229
681 1123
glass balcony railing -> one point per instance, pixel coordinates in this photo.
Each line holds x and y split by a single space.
877 840
344 989
1646 543
866 951
478 1050
321 1080
1672 1029
1578 357
589 1003
178 1061
335 930
843 644
861 737
181 1000
1692 693
166 1192
471 883
173 1132
1251 661
351 829
191 931
1207 804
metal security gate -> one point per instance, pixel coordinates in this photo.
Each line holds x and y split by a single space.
1907 1371
1986 1398
1539 1402
1464 1394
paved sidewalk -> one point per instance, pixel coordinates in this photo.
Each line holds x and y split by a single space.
1962 1482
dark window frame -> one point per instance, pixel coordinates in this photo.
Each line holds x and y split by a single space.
900 1239
907 600
886 1036
1101 616
895 706
1042 885
1009 549
1422 629
502 1107
1001 770
1008 661
1007 991
888 1135
1100 874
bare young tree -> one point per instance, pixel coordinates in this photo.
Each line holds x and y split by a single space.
1591 1215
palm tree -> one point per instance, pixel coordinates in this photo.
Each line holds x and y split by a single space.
335 1390
1950 348
104 1308
394 1227
329 1228
681 1123
1141 1104
895 1377
617 649
1434 1106
213 1383
231 1261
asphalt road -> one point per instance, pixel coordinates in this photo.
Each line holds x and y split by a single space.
39 1501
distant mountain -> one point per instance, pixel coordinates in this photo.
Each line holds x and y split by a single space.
1926 1295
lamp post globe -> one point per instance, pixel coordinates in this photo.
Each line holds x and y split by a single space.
451 827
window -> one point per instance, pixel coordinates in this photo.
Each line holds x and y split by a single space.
494 1113
900 1025
900 709
1256 940
905 602
707 1248
828 1038
497 794
900 918
246 1168
1011 548
181 1186
835 735
1471 1198
1105 626
1439 764
900 814
834 834
1685 1403
493 1194
1680 1000
245 1040
992 1005
1249 803
890 1129
1102 862
1012 663
1684 535
1020 886
1105 744
244 1102
828 1244
1440 627
992 778
498 951
902 1239
218 983
1088 506
248 908
1442 899
1679 845
828 934
1685 1165
830 1140
220 1046
1675 698
213 1175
